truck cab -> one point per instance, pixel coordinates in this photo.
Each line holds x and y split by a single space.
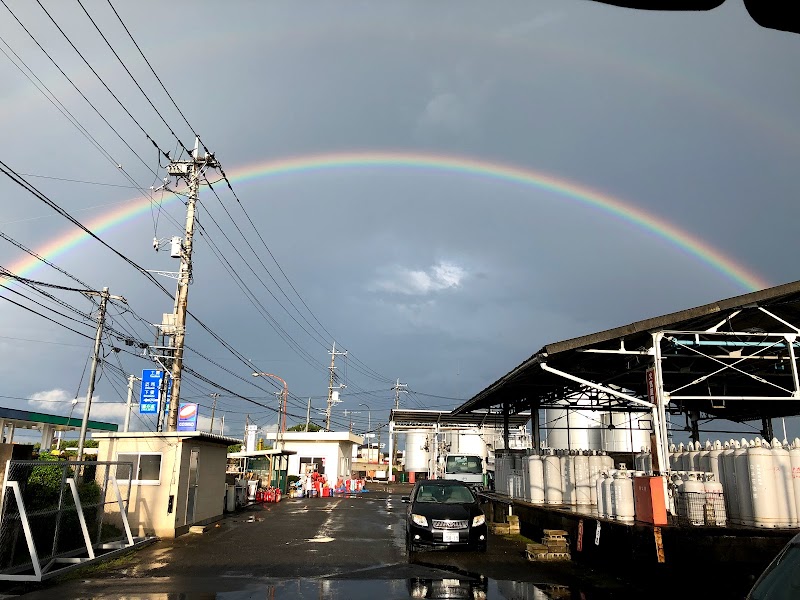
469 468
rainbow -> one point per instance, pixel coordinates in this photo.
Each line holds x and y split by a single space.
439 163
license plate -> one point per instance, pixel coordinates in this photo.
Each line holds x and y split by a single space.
449 536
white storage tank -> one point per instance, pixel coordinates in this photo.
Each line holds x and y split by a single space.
794 455
730 488
584 429
535 479
784 488
622 496
715 465
416 457
673 457
693 451
583 482
787 505
715 501
763 489
741 463
694 492
703 463
608 505
471 443
681 460
622 432
553 493
568 486
595 466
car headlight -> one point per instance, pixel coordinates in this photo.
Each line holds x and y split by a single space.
479 520
420 520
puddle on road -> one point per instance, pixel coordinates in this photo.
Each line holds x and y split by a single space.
387 589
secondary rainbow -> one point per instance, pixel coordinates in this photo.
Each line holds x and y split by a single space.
439 163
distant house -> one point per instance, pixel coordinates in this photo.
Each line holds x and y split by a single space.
330 453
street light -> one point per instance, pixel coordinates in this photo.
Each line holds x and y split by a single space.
285 395
369 431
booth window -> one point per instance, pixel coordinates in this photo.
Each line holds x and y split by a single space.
146 467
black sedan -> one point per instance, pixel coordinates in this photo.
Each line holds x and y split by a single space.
444 513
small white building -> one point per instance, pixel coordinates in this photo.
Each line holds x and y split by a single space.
331 452
178 478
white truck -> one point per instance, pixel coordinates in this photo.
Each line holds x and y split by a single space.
469 468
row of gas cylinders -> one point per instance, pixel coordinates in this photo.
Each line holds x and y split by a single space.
269 494
698 498
760 481
586 479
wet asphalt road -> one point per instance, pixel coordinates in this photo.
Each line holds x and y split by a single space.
322 548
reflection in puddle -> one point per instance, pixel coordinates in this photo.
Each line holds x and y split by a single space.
456 587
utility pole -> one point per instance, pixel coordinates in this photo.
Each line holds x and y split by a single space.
398 388
189 170
308 414
213 409
101 319
332 368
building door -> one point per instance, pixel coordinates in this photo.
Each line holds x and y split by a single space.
191 492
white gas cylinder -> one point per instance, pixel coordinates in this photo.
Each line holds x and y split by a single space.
595 466
683 458
763 489
536 479
741 462
608 505
784 488
569 492
694 457
794 455
729 486
715 501
552 480
702 461
673 457
715 462
583 484
622 496
695 494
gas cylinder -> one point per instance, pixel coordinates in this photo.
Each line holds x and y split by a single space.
715 462
622 496
794 456
583 494
682 458
702 458
567 462
608 505
601 505
277 494
673 457
715 501
595 465
536 479
552 479
730 489
784 488
695 493
608 462
693 452
763 488
741 462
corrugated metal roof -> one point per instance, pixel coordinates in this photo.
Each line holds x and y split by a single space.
528 382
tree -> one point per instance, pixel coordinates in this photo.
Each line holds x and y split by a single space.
302 427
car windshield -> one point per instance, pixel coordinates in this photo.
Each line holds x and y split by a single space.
782 580
463 464
455 494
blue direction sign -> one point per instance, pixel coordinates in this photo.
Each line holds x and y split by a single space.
148 400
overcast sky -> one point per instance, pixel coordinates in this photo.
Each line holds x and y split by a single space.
444 279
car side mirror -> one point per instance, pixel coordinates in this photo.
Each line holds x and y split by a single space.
405 499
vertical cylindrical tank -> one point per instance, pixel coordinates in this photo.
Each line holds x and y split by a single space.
729 485
595 466
715 501
626 432
417 456
702 461
584 428
583 482
608 461
693 451
743 485
695 493
715 462
784 488
794 455
681 458
471 443
601 507
552 479
622 496
608 506
568 488
536 479
763 489
673 457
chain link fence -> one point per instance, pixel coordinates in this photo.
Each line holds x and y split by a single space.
57 512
